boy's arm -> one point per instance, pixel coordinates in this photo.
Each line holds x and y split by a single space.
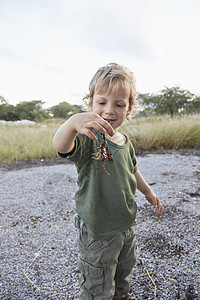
145 189
64 139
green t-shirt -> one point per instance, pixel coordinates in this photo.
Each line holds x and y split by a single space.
105 203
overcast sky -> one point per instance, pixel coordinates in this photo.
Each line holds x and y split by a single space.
50 49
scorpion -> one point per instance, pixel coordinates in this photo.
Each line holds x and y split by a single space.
103 153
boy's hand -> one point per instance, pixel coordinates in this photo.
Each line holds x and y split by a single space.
153 199
86 122
145 189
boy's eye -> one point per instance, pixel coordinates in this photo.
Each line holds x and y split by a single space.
101 103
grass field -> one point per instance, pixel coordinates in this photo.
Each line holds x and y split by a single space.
161 133
153 133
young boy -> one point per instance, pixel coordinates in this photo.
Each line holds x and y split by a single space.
105 204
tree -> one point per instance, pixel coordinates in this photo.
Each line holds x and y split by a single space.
3 100
7 111
3 107
31 110
65 110
169 101
193 106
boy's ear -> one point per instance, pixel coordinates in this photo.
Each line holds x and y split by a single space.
90 104
128 114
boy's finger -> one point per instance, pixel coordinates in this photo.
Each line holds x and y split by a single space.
108 127
102 126
159 209
156 202
90 134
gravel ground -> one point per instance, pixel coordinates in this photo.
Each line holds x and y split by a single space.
38 258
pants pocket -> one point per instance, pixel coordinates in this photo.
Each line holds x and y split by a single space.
91 278
88 242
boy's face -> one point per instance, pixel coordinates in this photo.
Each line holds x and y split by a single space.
112 106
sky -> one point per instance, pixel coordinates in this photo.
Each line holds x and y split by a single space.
50 49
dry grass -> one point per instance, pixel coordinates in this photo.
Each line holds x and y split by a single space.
34 142
159 133
28 142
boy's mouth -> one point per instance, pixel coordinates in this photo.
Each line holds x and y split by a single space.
108 120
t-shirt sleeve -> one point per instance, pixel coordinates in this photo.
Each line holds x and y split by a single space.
67 155
135 164
134 159
79 151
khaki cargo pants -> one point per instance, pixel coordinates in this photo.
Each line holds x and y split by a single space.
105 265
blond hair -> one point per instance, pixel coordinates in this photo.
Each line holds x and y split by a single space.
109 77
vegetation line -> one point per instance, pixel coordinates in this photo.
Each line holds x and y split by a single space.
169 119
151 133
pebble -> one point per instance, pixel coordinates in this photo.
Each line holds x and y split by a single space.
38 235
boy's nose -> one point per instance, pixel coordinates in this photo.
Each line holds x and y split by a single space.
109 109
